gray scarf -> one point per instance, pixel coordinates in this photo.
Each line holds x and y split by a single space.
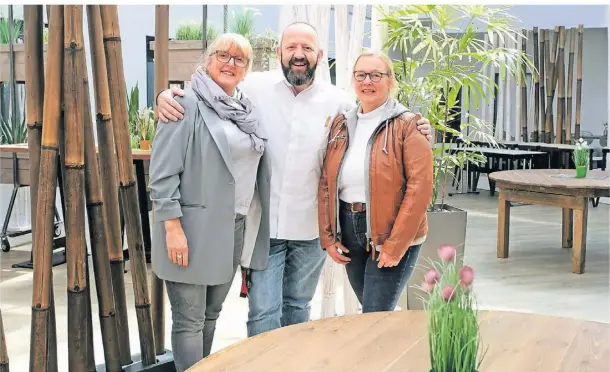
240 111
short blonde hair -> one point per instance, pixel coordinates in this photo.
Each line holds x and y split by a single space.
388 65
225 42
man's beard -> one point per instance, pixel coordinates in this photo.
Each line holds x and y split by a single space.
298 78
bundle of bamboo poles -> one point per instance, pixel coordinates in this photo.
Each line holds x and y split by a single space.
67 142
549 60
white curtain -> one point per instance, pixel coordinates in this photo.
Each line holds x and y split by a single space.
379 30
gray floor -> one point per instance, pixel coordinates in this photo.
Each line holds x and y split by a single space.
536 278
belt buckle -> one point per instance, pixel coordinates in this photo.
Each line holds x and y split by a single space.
352 208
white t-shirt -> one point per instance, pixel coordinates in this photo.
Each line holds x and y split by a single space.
352 177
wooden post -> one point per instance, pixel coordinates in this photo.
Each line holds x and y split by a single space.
47 187
561 99
99 241
74 161
550 90
161 83
4 365
524 131
536 81
541 80
128 192
34 90
578 82
570 82
110 188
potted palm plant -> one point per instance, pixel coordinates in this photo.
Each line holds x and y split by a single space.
441 59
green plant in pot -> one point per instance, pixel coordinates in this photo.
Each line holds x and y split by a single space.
453 329
145 128
581 158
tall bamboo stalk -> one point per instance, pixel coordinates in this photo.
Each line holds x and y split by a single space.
541 80
99 242
127 192
550 90
74 161
47 184
34 90
524 133
536 81
161 82
570 82
110 188
578 82
561 98
4 362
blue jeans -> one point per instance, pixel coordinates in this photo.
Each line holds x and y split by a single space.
281 294
377 289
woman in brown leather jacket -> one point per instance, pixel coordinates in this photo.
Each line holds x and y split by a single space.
375 187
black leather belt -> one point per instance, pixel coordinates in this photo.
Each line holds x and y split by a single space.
353 207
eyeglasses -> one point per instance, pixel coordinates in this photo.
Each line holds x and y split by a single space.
225 57
374 76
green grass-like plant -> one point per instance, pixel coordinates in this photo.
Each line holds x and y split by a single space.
194 31
453 329
581 153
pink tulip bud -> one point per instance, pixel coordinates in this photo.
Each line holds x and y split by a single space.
428 287
446 253
432 276
466 276
448 293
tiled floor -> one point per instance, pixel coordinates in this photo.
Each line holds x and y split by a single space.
536 278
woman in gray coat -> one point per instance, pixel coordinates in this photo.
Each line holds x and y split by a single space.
209 182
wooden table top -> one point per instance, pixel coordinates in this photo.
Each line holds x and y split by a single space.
20 148
397 342
552 178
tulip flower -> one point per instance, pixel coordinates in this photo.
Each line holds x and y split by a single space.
448 293
446 253
432 276
466 276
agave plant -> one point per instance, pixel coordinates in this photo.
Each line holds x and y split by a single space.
10 135
443 53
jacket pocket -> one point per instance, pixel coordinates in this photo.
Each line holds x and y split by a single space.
192 205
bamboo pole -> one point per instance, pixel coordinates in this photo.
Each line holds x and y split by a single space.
541 80
536 81
127 192
34 89
550 60
99 242
561 99
47 184
578 82
74 161
4 362
161 83
110 188
570 82
524 131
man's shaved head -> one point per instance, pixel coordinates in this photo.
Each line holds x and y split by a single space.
301 26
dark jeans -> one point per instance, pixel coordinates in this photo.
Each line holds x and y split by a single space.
377 289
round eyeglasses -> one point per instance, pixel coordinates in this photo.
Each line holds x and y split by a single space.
225 57
374 76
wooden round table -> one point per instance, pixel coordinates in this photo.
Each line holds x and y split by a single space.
397 342
555 188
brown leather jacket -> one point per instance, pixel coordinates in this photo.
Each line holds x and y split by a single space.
400 181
